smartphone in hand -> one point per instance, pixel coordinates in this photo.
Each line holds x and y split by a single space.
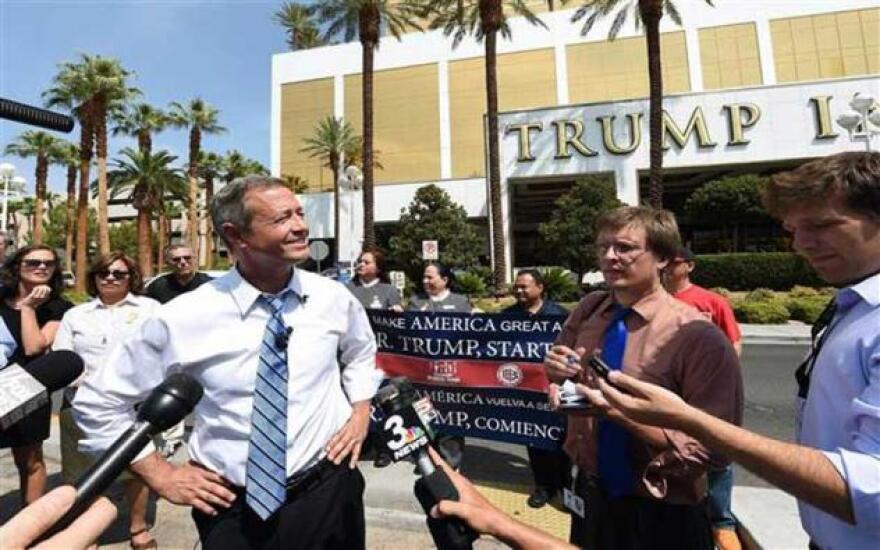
601 368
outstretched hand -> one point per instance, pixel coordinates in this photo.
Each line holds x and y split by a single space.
641 402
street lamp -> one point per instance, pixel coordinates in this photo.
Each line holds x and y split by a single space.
7 174
351 178
861 115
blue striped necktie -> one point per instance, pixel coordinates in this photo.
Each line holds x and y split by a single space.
266 484
615 457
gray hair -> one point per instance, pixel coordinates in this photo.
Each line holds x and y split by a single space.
228 206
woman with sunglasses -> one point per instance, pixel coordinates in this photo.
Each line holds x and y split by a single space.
32 309
92 330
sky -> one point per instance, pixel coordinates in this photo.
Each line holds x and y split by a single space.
220 50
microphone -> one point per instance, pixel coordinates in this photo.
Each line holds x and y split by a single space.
281 340
406 432
25 389
34 116
304 299
166 405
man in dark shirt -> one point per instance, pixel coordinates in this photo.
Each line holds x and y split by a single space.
549 468
183 277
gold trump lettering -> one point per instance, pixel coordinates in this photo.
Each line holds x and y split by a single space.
563 140
524 152
635 133
697 123
736 124
822 111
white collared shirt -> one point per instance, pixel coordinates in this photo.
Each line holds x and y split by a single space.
92 329
214 334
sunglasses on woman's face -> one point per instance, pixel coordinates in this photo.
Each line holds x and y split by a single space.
117 273
34 264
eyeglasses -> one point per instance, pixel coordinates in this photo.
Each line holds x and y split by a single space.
178 259
621 250
117 274
34 264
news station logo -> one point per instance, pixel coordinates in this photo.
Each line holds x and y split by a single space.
510 375
444 371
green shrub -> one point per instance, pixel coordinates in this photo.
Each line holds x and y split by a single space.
76 298
773 270
560 284
723 292
470 283
760 295
806 308
761 313
802 292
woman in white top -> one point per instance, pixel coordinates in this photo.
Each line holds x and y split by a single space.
92 330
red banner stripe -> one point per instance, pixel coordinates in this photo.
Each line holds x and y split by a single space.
465 373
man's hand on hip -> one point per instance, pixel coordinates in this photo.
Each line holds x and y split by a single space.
349 439
189 485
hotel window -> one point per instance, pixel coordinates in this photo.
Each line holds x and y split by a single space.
830 45
525 80
729 56
618 69
406 122
303 105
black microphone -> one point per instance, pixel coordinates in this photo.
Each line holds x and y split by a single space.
166 405
406 432
281 340
34 116
25 389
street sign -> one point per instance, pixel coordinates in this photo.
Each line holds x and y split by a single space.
430 250
398 279
318 250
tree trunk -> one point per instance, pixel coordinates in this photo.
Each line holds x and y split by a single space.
145 142
651 12
145 241
192 221
499 262
42 172
209 230
82 204
369 36
161 241
71 219
101 150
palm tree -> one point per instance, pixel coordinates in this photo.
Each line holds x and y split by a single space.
148 178
141 121
483 19
330 140
365 19
67 154
201 118
211 166
647 13
236 165
302 32
42 145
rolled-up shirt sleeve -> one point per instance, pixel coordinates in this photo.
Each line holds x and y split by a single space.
860 466
360 376
104 403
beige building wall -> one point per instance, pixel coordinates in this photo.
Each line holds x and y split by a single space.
406 122
827 46
729 56
525 80
303 104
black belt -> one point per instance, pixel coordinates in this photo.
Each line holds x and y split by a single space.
302 482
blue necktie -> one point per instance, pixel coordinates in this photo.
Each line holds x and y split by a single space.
266 484
615 459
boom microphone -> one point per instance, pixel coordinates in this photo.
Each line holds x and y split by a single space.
34 116
25 389
406 432
166 405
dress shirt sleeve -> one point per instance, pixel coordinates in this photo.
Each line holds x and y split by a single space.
360 376
7 344
708 378
860 465
104 404
64 335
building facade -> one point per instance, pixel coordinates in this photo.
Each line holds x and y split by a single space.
745 89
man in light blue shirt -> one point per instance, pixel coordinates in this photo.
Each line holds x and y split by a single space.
831 207
7 345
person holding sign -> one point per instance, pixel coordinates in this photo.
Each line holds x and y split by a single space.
638 486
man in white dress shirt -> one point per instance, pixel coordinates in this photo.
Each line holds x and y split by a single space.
219 334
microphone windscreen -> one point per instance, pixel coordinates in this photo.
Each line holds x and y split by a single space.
56 369
170 401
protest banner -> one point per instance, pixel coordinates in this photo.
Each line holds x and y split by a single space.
483 372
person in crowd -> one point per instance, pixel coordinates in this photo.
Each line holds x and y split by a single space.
32 309
831 207
3 246
638 486
29 524
278 432
549 468
184 276
370 285
716 308
438 282
93 330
